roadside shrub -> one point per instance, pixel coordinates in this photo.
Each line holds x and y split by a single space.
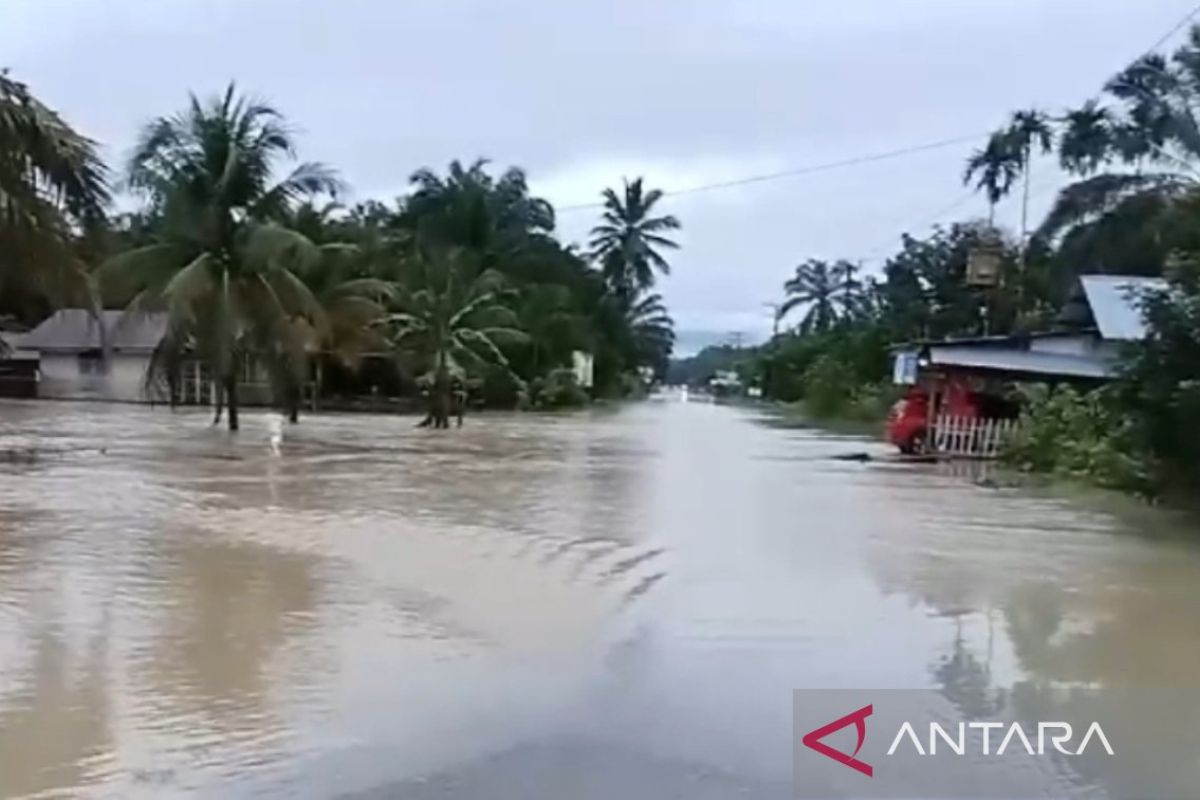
500 388
558 389
872 401
1160 385
632 386
827 387
1079 436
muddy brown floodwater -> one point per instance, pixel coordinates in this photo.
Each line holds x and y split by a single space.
612 604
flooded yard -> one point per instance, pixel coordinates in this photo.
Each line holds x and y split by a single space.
610 604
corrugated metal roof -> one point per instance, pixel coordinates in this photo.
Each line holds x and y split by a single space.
994 340
1020 361
12 347
1113 300
75 329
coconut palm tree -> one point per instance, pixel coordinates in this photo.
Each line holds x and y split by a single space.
352 303
1137 154
449 315
627 241
52 183
652 330
352 297
224 272
345 280
826 291
547 314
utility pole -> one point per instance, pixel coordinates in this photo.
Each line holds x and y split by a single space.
767 377
775 309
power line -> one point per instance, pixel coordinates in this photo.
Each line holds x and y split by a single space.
806 170
926 221
959 202
932 219
1176 28
865 159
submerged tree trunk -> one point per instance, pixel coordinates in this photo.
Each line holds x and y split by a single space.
441 406
318 379
218 397
440 394
231 400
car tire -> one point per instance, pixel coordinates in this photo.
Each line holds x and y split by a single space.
914 445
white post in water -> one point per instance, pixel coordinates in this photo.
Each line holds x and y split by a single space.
275 432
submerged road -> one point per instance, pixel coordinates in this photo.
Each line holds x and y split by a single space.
616 604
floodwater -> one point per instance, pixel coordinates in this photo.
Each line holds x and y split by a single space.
613 604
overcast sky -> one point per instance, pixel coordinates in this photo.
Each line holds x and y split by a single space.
583 92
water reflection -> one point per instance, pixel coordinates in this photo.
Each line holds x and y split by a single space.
225 612
55 720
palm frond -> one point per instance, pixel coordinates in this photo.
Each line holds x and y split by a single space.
306 180
1097 195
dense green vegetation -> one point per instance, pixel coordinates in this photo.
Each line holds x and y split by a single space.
1132 207
1139 433
460 285
53 192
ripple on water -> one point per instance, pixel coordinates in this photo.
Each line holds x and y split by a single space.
618 600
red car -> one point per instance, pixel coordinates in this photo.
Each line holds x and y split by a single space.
908 420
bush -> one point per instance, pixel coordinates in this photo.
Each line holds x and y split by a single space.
827 387
632 386
1079 436
871 402
558 389
1160 387
828 370
500 388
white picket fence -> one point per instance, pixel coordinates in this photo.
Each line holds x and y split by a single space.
970 437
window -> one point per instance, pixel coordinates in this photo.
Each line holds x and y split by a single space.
91 362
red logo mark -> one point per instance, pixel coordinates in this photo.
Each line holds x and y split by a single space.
812 740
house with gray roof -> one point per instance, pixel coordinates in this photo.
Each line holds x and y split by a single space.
952 377
1099 318
70 348
18 367
85 356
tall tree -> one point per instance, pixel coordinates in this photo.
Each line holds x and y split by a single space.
994 168
850 288
653 331
469 207
224 272
449 314
1008 155
627 241
1027 131
353 303
826 291
52 184
1136 155
547 313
